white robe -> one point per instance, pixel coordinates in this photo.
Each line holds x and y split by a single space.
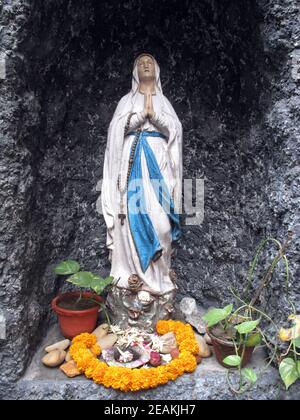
124 258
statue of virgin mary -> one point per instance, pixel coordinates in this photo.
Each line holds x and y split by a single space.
141 198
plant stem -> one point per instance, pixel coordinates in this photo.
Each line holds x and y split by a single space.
253 264
80 297
288 350
104 309
268 276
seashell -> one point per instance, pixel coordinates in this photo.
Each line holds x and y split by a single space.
143 358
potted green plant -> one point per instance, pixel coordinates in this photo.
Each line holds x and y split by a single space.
233 336
77 311
236 333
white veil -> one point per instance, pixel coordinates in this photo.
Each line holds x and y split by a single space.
115 139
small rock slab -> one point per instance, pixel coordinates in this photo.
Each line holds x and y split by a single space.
192 315
70 369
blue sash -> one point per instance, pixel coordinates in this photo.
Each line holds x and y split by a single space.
143 233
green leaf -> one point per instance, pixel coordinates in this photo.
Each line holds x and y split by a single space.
253 340
247 327
98 284
249 375
233 361
82 279
288 372
228 309
214 316
297 342
67 267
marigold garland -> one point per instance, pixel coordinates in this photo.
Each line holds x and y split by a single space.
84 351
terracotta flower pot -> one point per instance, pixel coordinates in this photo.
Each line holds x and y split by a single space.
75 322
223 348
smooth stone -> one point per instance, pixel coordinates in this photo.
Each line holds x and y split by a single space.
192 315
60 345
168 343
68 357
70 369
107 341
101 331
188 306
54 358
175 353
198 359
207 339
204 350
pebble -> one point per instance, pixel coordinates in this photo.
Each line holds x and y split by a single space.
204 350
60 345
192 314
107 341
198 359
168 343
54 358
68 357
207 339
101 331
175 353
70 369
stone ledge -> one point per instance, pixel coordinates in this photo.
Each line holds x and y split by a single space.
208 382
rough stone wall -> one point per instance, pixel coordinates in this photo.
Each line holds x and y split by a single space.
281 131
20 240
225 66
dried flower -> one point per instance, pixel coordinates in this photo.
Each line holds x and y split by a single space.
155 359
291 333
135 283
